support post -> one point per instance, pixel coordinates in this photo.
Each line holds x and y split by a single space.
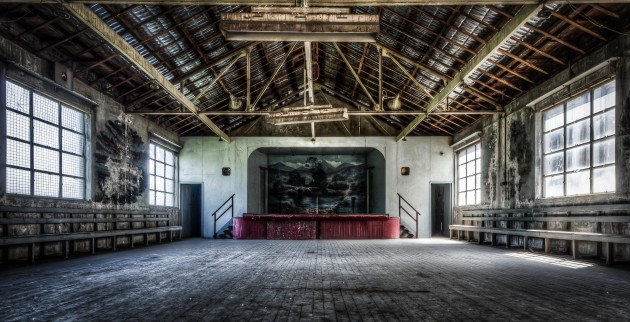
525 241
31 252
114 243
547 245
609 248
66 250
574 248
93 246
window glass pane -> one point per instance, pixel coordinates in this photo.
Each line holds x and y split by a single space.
470 197
470 153
152 182
478 166
477 196
169 200
45 134
578 158
470 183
461 186
18 126
462 199
578 107
159 198
461 156
46 185
553 118
604 152
604 179
578 183
72 165
72 188
554 186
578 133
477 151
72 142
170 171
159 169
45 109
72 119
604 97
151 167
18 154
168 157
461 172
470 168
152 151
18 98
170 186
159 154
553 141
477 181
45 160
553 163
159 184
18 181
604 124
151 197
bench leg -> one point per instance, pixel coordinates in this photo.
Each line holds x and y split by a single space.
93 246
493 239
481 237
146 239
131 240
114 243
547 245
525 240
159 237
609 248
574 248
170 235
179 233
31 252
66 248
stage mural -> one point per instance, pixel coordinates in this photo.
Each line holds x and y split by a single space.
304 184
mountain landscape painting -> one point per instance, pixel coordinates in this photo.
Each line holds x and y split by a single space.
325 184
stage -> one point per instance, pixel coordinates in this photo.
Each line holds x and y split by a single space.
316 226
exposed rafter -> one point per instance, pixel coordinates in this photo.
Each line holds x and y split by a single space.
91 20
320 3
505 33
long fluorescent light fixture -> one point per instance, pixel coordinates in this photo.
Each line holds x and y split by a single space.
308 114
300 24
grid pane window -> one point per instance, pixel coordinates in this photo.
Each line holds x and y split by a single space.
579 144
161 176
469 175
45 145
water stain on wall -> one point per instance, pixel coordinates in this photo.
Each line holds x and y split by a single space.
120 159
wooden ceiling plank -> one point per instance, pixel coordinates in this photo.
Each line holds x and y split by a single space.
494 43
91 20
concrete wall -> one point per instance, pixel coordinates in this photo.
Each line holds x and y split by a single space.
202 158
376 161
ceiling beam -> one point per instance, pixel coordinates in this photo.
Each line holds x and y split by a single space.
493 44
92 21
351 113
319 3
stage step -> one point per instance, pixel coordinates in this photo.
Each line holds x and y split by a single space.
227 234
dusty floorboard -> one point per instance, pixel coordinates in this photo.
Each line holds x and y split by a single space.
409 280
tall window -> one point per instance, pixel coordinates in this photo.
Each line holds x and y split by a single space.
45 142
469 175
161 176
579 144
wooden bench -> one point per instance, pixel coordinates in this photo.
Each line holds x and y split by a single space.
128 223
517 222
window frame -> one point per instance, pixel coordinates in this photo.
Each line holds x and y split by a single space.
32 145
478 169
152 184
590 142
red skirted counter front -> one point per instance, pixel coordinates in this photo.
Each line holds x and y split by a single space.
324 226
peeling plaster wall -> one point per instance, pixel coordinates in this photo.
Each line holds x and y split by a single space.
101 118
202 158
511 149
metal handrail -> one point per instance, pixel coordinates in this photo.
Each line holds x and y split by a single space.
214 214
400 207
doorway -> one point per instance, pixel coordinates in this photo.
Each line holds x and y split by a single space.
190 208
441 209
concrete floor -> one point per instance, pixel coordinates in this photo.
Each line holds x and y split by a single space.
412 280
